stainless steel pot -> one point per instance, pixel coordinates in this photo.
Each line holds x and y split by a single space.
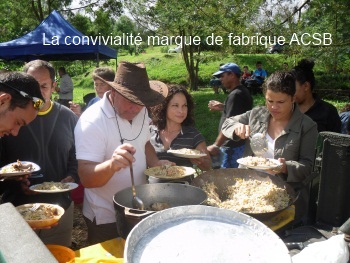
203 234
222 178
171 193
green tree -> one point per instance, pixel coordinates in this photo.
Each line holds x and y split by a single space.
190 19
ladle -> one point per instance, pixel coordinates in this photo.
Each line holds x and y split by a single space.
136 201
258 143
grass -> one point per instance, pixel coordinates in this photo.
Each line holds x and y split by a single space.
170 68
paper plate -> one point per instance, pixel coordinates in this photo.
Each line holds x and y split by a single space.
4 171
185 153
161 172
71 187
41 223
259 163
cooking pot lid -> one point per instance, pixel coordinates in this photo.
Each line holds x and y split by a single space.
203 234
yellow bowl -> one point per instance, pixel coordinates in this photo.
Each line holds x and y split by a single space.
42 223
61 253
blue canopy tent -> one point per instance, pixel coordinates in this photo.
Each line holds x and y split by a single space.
55 39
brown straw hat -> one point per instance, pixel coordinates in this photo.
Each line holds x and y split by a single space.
131 81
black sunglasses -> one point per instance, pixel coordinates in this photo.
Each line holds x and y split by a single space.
38 103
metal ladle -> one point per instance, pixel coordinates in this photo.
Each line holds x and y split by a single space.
136 201
258 143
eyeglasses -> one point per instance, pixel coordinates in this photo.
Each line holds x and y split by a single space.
38 103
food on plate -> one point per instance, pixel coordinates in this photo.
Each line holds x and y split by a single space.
18 167
168 171
258 161
41 213
187 151
159 206
249 196
51 186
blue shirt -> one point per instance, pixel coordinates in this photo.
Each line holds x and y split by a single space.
345 122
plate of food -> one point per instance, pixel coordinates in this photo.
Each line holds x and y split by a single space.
259 163
18 168
187 153
169 172
53 187
40 215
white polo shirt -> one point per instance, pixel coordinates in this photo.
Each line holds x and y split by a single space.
96 138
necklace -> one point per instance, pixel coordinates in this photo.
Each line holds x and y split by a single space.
120 134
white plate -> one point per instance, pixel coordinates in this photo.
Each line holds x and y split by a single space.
8 174
245 161
178 153
151 172
71 187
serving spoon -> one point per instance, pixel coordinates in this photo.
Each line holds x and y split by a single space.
258 143
136 201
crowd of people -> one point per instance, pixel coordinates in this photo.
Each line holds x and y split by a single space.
134 122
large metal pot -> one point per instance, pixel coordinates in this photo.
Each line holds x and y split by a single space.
222 178
203 234
171 193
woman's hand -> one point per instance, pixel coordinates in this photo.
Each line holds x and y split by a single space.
242 131
164 162
280 169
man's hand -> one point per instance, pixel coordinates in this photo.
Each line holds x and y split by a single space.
25 188
68 179
76 108
122 156
213 150
215 105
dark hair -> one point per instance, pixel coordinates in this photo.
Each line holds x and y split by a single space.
280 81
22 82
62 69
105 73
38 64
304 72
159 112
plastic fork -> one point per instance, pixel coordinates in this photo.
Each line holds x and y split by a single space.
34 207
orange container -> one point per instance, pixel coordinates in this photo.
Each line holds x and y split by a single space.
61 253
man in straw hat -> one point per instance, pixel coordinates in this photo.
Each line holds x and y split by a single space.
110 135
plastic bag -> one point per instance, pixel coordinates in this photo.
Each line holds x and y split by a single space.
333 250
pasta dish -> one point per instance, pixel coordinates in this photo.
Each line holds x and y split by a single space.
249 196
51 186
44 212
169 171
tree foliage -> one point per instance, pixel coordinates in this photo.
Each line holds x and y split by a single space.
187 19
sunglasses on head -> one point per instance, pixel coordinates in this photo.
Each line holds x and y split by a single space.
38 103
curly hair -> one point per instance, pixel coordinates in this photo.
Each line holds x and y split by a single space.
280 81
159 112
